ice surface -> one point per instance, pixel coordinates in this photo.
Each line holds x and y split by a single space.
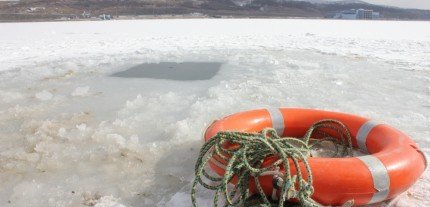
72 135
44 95
81 91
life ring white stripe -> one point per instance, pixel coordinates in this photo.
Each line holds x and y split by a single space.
277 120
381 179
362 134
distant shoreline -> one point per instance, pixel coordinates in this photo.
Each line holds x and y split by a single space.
149 17
74 10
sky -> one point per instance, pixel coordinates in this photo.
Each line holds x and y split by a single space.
417 4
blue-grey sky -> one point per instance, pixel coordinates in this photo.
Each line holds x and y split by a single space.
418 4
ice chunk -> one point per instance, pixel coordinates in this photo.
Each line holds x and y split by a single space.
81 127
108 201
44 95
117 139
81 91
9 96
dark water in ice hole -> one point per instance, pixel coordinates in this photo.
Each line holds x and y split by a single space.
185 71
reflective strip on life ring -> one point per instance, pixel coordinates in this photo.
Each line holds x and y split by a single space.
277 120
362 134
380 177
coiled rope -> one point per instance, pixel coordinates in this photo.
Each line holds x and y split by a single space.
244 154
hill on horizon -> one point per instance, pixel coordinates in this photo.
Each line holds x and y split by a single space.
35 10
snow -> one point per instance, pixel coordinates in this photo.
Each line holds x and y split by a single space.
71 134
81 91
44 95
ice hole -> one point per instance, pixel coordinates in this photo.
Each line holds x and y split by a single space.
185 71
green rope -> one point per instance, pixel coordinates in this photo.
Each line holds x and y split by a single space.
245 157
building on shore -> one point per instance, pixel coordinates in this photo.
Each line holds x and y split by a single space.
86 15
105 17
348 14
375 15
363 14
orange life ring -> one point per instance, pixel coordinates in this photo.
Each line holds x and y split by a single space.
394 162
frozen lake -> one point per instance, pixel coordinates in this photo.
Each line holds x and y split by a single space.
77 129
